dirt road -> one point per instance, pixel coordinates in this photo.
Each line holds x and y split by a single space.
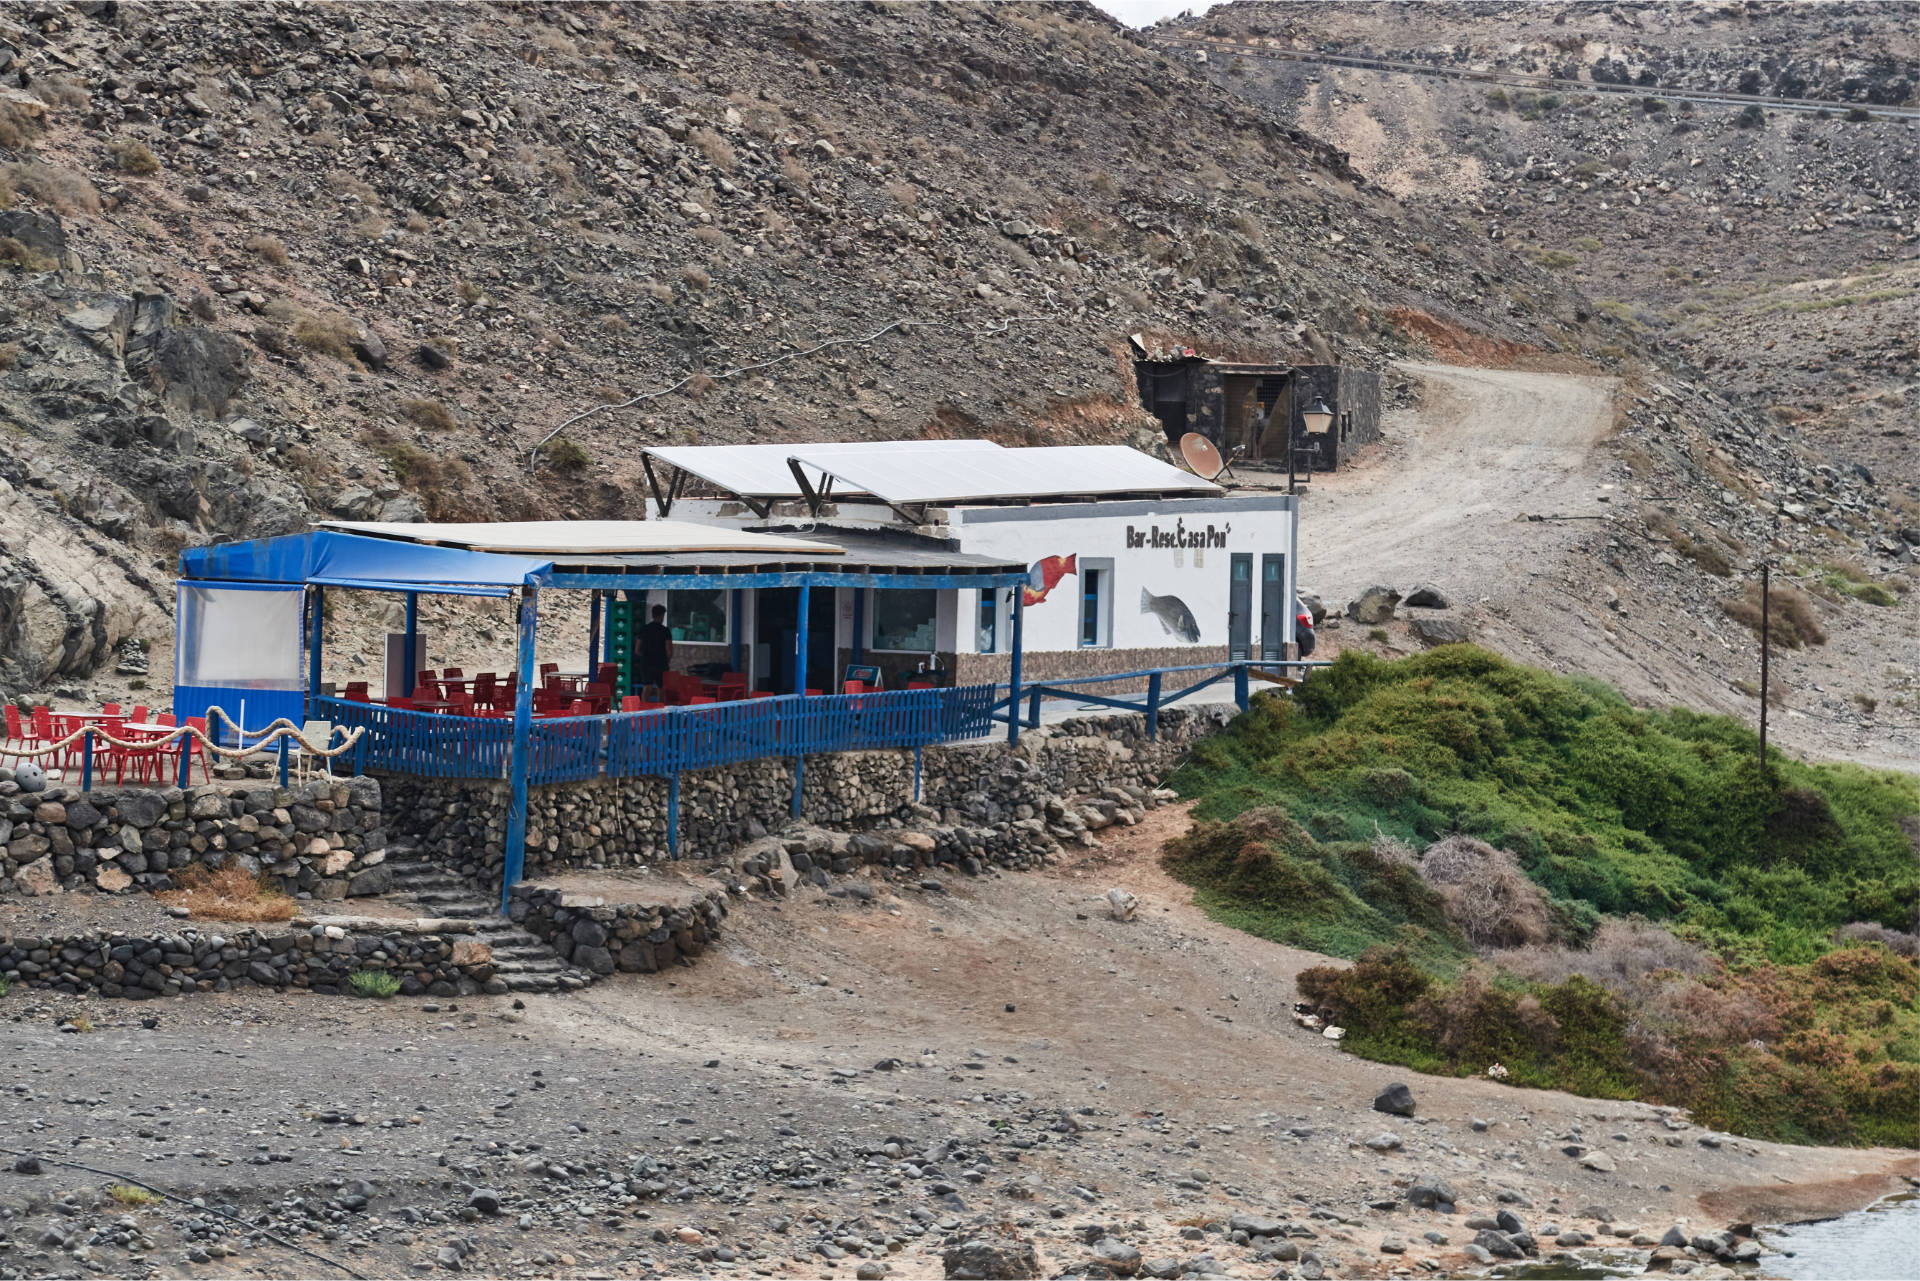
844 1076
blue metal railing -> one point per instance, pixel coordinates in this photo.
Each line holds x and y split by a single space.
667 740
1149 703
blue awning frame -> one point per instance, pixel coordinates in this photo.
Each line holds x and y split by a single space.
327 558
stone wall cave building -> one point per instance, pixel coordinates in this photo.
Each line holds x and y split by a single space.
1239 406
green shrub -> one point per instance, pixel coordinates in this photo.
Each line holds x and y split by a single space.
374 983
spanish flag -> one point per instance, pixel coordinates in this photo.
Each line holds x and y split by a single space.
1042 577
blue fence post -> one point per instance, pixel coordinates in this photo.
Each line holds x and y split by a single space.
673 815
1033 706
410 651
1013 668
516 851
360 751
318 622
186 742
283 760
86 759
1240 685
1153 705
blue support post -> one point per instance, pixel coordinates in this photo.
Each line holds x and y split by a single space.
283 760
516 851
1013 670
359 754
86 759
800 688
1033 707
859 621
1153 706
410 652
593 635
317 619
186 742
1240 685
673 815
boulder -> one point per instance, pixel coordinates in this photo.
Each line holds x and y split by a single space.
1427 596
1395 1100
1440 631
1116 1256
38 877
375 880
1498 1244
1373 606
1429 1191
991 1259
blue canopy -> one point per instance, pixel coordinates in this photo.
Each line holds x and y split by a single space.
332 559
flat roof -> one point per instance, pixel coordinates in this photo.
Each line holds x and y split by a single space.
585 537
998 475
924 471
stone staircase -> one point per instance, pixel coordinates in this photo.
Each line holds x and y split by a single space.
521 962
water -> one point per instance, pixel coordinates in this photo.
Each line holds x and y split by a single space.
1881 1241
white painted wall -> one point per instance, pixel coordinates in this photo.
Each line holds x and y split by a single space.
1190 560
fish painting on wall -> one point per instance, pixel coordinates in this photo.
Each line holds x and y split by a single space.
1173 615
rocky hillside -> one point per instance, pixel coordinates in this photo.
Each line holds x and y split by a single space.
265 262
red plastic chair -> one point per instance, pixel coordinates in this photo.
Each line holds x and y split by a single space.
197 747
425 692
484 692
19 735
631 703
111 709
607 674
139 713
46 731
580 707
854 687
733 685
452 673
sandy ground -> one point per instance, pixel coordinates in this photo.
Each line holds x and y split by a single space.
1056 1067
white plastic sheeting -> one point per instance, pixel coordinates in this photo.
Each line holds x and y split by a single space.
239 638
761 471
561 538
1056 471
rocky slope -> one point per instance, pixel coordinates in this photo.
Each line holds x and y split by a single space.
265 263
1756 270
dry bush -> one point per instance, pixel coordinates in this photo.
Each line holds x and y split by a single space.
130 155
201 307
1627 957
658 290
696 276
428 413
332 335
1896 941
712 237
1795 623
64 191
795 172
325 139
19 255
417 223
371 227
903 193
1135 299
230 894
9 355
273 340
566 456
468 291
1486 894
717 150
271 248
614 323
18 124
347 184
56 91
699 385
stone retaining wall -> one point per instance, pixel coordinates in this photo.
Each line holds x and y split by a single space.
323 838
319 958
623 822
601 937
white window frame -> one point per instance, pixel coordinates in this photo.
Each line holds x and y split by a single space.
1002 599
1096 569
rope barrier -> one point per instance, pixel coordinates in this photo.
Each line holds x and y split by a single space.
281 728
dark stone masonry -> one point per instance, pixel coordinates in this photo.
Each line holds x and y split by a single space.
601 937
322 838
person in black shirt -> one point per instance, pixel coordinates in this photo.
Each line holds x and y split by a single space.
652 652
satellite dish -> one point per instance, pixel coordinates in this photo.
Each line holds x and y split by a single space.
1202 456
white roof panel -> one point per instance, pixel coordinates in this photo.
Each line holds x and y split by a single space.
1060 471
761 471
587 537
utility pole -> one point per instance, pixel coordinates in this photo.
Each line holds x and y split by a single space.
1765 624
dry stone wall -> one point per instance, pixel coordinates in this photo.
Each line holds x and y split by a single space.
623 822
601 937
323 838
319 958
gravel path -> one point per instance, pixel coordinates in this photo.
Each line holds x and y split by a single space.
838 1076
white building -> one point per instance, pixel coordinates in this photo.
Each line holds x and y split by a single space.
1150 565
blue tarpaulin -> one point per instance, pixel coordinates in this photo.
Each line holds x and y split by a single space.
349 560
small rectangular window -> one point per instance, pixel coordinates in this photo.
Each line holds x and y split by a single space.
987 635
903 619
698 617
1096 603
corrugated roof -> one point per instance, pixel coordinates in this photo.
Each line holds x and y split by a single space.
761 471
1057 471
558 538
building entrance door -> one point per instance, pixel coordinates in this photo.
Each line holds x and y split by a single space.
1273 607
1240 606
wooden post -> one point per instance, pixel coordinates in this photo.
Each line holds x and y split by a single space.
1013 668
516 851
1765 628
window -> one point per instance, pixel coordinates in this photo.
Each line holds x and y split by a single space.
903 619
698 617
1096 603
993 605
